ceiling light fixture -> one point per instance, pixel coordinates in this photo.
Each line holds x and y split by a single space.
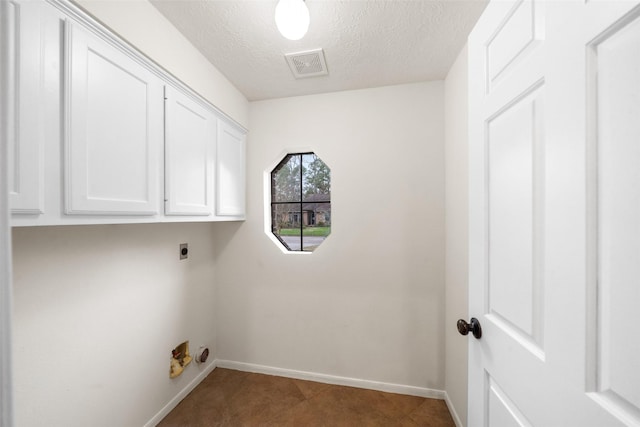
292 18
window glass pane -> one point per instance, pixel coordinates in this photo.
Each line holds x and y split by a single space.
316 179
286 224
317 225
286 180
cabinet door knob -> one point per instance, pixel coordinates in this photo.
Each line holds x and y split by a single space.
473 326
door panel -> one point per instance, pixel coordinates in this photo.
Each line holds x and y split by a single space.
615 76
501 410
519 33
114 118
515 181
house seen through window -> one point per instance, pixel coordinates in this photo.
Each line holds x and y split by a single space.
301 201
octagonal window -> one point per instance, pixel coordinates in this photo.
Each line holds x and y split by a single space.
301 202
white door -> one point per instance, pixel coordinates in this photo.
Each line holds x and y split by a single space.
190 137
555 214
113 129
28 40
230 171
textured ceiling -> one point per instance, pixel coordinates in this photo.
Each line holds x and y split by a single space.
367 43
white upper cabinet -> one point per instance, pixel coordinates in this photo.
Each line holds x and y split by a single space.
113 129
27 39
230 171
96 133
190 136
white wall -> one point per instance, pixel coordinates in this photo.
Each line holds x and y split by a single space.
97 311
142 25
369 303
456 233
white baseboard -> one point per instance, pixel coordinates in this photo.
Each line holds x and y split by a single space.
332 379
178 397
452 410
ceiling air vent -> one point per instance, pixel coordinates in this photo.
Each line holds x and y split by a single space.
310 63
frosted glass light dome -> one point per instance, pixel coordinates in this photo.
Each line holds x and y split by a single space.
292 18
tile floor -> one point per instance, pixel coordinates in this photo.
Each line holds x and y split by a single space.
233 398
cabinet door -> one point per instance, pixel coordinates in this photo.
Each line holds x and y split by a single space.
114 129
190 135
230 167
24 66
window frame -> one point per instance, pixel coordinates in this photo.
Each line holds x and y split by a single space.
272 203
